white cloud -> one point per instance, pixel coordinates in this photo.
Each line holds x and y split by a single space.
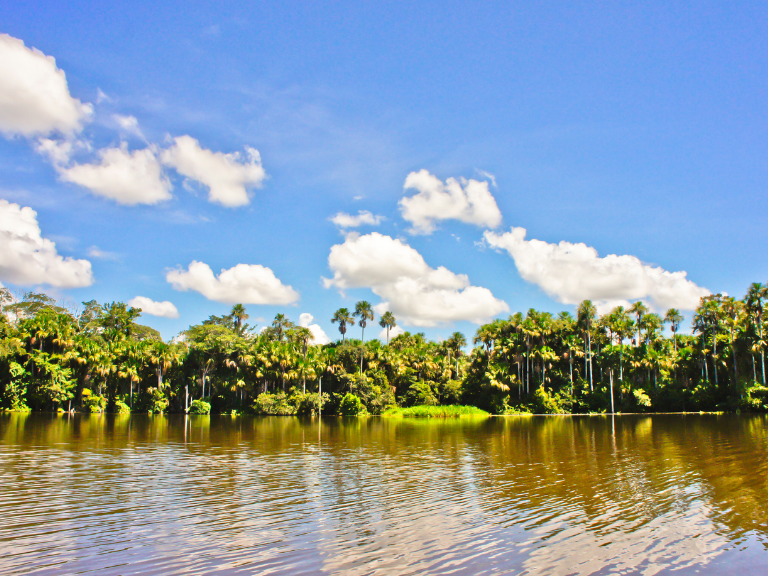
57 151
34 96
163 309
413 291
396 331
488 176
225 175
101 96
128 124
344 220
469 201
126 177
27 258
244 283
96 252
318 334
574 272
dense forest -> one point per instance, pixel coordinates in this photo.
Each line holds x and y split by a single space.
99 358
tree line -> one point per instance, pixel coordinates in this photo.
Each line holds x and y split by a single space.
99 358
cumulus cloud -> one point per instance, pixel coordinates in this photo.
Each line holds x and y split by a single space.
413 291
469 201
244 283
163 309
575 272
57 151
364 217
318 334
126 177
27 258
34 96
227 176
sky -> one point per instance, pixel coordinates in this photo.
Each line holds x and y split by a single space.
452 162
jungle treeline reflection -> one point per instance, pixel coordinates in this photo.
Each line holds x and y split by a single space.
592 492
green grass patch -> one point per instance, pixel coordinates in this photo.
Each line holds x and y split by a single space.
435 412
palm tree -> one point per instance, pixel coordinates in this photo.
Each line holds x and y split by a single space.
586 314
364 311
387 321
754 301
674 318
455 343
733 316
239 316
280 325
343 317
638 309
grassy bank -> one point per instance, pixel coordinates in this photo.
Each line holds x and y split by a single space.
435 412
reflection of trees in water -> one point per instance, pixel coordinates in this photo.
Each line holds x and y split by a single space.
659 464
589 493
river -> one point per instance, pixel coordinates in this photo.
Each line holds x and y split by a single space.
244 495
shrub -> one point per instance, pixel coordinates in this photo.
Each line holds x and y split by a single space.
641 398
372 388
120 407
451 392
550 403
309 403
420 394
351 405
274 405
200 407
93 402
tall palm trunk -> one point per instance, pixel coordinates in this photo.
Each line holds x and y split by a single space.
762 352
611 384
589 342
714 355
362 349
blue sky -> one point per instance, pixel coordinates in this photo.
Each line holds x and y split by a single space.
639 131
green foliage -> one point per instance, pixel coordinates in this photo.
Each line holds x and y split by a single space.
641 398
274 405
420 394
532 362
450 411
451 392
310 403
15 388
92 402
351 405
548 402
120 407
200 407
755 399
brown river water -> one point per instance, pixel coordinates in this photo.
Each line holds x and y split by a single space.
172 494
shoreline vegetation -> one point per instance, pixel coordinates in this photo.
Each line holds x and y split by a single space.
97 358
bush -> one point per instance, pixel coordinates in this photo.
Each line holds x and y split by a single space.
420 394
309 403
451 392
120 407
351 405
641 398
550 403
93 402
200 407
274 405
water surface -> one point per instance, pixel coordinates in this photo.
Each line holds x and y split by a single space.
555 495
